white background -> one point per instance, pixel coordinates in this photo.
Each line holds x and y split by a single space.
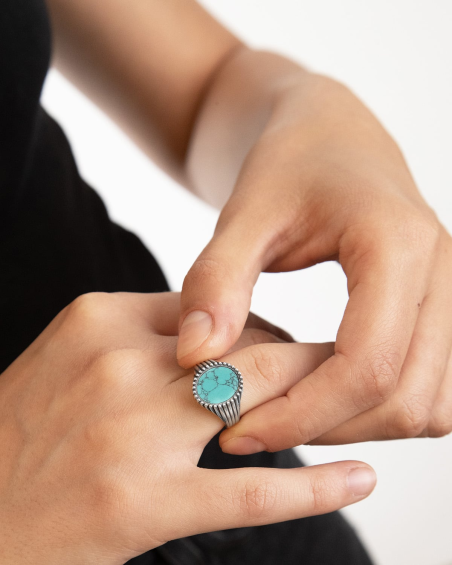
397 56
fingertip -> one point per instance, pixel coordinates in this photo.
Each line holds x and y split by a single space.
242 446
361 481
205 335
194 331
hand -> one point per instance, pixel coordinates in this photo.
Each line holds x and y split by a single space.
325 182
101 437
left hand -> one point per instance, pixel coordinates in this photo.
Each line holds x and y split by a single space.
101 437
326 182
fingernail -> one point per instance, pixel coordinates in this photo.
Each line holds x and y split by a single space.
243 446
194 332
361 481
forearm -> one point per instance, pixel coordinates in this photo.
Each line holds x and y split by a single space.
184 88
146 63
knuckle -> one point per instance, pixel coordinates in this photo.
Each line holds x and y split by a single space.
88 310
116 369
415 225
411 234
418 239
266 366
381 374
98 438
377 378
256 498
409 418
424 230
109 496
320 496
83 325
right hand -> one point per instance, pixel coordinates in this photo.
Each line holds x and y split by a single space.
101 437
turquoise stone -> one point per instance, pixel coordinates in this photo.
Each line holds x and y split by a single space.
217 385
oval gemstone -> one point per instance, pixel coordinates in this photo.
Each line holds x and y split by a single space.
217 385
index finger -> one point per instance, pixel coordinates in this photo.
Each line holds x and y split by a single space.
371 346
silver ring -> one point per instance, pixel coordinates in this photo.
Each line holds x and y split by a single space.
218 387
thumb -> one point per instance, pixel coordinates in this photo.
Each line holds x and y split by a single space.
216 294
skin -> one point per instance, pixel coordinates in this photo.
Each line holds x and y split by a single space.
100 446
303 173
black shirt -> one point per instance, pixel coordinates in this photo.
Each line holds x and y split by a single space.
57 242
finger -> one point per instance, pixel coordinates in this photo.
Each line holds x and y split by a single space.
216 293
164 359
408 410
256 322
269 371
93 314
371 346
161 311
251 336
236 498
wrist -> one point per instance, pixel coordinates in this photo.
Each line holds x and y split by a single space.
234 113
312 106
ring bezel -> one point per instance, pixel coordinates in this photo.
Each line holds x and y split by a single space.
205 366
